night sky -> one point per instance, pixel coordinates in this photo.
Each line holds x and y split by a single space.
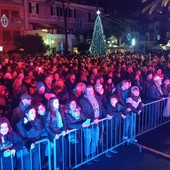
124 6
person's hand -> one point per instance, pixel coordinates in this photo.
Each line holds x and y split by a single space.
57 136
96 121
139 112
163 98
32 146
123 116
67 131
109 117
13 151
6 153
128 109
25 120
63 133
85 124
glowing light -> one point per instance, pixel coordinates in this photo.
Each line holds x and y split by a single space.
4 20
46 41
133 42
98 12
44 30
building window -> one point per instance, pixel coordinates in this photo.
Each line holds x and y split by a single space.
81 24
58 11
75 13
15 15
61 11
33 8
7 36
89 16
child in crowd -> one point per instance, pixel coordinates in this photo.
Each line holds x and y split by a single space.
134 102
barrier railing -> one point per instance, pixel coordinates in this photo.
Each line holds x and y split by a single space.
154 114
82 146
28 160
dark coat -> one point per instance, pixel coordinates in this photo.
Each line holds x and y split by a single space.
87 107
51 124
30 132
12 141
115 111
153 93
74 123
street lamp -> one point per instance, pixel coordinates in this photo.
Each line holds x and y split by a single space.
133 42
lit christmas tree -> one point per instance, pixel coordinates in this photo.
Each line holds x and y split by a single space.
98 44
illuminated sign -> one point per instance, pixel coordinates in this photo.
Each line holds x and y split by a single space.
4 20
1 48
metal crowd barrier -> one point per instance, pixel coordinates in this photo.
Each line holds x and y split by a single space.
82 146
28 160
154 114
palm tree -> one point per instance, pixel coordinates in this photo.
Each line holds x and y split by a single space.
152 6
160 9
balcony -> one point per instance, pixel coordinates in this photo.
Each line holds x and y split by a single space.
33 15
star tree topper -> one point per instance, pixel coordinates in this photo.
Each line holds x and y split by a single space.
98 12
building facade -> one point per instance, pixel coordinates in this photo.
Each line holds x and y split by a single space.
46 19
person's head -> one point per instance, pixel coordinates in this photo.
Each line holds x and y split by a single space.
72 78
5 126
135 90
48 80
30 73
149 76
40 87
56 76
125 84
157 80
159 71
166 81
41 109
109 80
71 105
99 88
26 99
138 72
110 74
30 113
2 90
89 91
95 71
113 100
53 103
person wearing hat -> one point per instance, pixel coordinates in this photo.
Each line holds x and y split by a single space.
39 97
134 102
18 112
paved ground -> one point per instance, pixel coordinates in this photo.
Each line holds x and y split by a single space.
154 156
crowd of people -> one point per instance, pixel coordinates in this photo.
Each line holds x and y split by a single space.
46 96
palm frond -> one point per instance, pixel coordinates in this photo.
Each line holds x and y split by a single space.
165 3
152 6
